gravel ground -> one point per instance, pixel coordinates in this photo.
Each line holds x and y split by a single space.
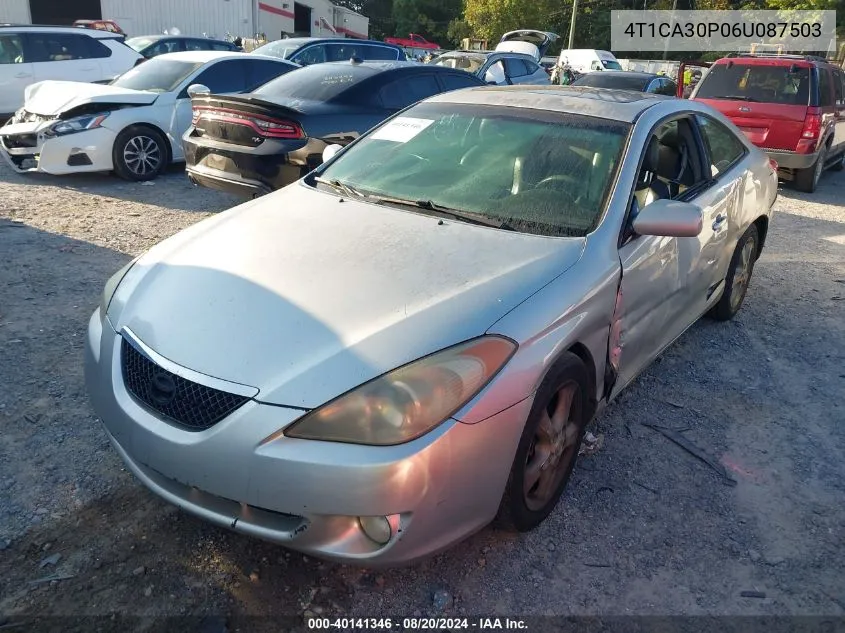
644 528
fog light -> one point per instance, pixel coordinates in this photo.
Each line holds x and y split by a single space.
377 529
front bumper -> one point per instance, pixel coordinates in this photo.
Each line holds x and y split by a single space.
303 494
30 150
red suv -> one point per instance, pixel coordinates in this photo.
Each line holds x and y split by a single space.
790 106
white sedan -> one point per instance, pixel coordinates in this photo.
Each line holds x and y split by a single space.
134 125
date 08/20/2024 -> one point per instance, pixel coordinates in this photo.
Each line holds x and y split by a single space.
415 624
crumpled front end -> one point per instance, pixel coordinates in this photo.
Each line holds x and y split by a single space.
28 144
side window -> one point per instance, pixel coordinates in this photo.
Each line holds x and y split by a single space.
403 92
58 47
723 148
839 87
456 82
219 46
669 88
515 67
596 65
380 53
165 46
96 49
262 71
11 49
532 67
496 74
224 77
310 55
197 45
653 86
825 92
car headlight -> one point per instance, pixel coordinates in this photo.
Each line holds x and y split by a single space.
111 287
409 401
78 124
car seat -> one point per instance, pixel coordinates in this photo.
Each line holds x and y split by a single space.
649 187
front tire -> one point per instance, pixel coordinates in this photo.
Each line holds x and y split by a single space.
548 448
808 179
738 277
139 153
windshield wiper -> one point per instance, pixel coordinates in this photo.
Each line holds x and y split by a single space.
733 98
430 205
342 187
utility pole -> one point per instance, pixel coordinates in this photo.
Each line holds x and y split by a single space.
666 49
572 23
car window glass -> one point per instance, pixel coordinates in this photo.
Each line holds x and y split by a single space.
96 49
11 49
223 77
670 165
262 71
57 47
382 53
496 74
407 90
220 46
515 67
653 86
197 45
469 62
320 82
310 55
596 65
722 146
839 87
825 88
668 88
755 83
456 82
157 75
164 47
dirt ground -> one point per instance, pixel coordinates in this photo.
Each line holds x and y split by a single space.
644 528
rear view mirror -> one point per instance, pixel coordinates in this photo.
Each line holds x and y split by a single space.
198 90
668 218
331 151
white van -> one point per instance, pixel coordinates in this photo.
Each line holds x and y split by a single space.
587 60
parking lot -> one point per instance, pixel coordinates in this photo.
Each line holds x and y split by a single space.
645 527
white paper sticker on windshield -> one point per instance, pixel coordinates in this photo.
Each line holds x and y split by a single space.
402 129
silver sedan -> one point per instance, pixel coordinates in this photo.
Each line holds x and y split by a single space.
378 360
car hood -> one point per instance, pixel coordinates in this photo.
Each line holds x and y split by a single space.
304 296
51 98
515 41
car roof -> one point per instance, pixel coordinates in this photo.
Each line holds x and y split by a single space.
158 38
618 105
302 41
802 61
203 57
377 67
631 73
41 28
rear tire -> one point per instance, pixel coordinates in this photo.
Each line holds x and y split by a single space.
140 153
808 179
548 448
738 277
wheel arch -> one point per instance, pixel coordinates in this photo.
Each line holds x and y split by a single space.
762 224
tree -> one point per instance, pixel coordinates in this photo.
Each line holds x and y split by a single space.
429 18
490 19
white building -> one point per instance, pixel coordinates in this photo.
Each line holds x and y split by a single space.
214 18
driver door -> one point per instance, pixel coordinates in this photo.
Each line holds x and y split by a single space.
667 282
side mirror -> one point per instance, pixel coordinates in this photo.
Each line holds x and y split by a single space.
668 218
198 90
331 151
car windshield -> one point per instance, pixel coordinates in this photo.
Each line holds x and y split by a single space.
532 171
279 48
754 82
469 62
157 75
619 82
139 43
609 64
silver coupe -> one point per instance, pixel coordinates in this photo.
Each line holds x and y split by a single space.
381 358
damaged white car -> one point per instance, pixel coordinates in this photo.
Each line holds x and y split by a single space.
134 125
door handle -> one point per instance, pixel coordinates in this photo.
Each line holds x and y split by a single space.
718 221
23 75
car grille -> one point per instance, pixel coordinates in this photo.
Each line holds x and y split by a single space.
190 405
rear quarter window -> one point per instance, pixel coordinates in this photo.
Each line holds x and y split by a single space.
825 88
779 83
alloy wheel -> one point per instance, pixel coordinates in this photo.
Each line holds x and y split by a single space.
742 274
552 450
142 155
